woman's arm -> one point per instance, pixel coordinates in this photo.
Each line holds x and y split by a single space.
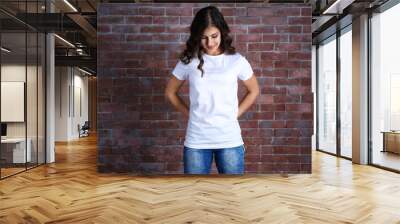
253 91
171 91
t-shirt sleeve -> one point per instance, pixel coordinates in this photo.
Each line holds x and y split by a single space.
245 69
180 71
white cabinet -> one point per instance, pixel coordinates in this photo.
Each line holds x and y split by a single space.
18 146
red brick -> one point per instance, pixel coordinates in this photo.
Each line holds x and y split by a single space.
166 37
267 132
299 107
305 168
247 20
261 29
299 20
275 55
306 64
174 166
178 11
307 98
124 29
306 29
152 29
287 64
238 29
185 20
248 37
266 150
260 46
273 90
299 90
299 124
300 38
274 20
299 56
252 167
263 115
286 99
294 168
248 124
287 150
267 64
138 37
275 38
287 46
111 37
252 158
282 115
104 28
299 73
139 20
286 82
272 124
166 20
265 99
151 11
288 29
288 11
233 11
306 11
273 11
177 29
275 73
260 11
229 19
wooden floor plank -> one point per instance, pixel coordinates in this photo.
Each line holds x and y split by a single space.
71 191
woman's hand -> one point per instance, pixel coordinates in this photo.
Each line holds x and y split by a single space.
253 91
171 95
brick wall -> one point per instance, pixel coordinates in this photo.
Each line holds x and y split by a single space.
138 45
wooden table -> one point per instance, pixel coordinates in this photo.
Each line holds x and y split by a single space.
391 141
19 154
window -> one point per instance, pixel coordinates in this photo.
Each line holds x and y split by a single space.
327 95
385 88
346 92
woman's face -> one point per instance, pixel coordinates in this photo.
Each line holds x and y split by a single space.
210 40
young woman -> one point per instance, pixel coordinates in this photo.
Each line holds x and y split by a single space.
212 68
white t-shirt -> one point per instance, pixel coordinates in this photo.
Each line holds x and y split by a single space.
214 103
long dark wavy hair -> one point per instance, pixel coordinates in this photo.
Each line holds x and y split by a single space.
205 17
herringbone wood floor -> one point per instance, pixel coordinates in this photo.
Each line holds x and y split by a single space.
71 191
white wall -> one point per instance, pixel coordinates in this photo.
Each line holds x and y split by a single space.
61 103
15 72
71 93
12 73
33 126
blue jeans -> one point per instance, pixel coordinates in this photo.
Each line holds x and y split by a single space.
227 160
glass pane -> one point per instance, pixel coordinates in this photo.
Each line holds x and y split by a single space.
346 94
14 152
385 89
31 97
327 96
32 85
41 98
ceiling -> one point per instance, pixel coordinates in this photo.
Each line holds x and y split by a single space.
76 22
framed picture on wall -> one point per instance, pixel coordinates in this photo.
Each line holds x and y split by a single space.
12 101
